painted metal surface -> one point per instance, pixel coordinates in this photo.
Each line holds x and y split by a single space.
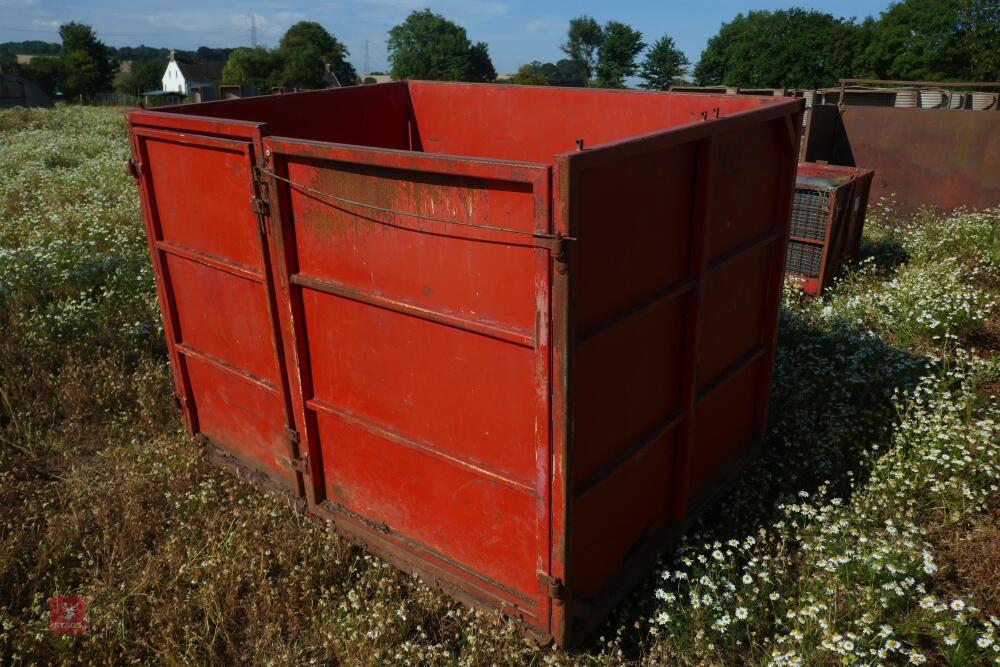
509 348
937 158
828 216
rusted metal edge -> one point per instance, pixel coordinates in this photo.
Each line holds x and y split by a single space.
505 334
378 539
224 459
211 261
383 431
385 534
259 382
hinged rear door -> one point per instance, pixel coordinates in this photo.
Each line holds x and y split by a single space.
415 297
209 251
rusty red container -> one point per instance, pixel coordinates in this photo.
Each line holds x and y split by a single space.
511 338
828 217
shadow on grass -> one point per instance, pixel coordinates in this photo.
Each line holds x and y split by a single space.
887 254
831 400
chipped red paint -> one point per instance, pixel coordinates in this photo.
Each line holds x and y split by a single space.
512 363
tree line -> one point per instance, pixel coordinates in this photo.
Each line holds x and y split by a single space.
792 48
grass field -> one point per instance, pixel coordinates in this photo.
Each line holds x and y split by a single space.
867 533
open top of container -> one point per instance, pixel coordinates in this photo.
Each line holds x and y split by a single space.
504 122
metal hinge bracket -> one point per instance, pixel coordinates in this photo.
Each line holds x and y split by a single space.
297 463
259 206
554 587
132 168
558 245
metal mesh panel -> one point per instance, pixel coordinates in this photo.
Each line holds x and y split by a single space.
809 213
803 259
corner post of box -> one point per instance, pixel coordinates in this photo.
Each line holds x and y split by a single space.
562 335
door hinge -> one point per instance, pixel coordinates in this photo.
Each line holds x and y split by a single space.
558 245
132 168
300 464
553 587
297 463
259 206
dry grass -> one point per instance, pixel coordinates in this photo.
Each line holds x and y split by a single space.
101 494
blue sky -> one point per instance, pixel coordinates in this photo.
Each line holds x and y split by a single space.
517 31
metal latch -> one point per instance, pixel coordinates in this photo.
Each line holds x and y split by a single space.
300 464
131 168
258 206
553 586
297 463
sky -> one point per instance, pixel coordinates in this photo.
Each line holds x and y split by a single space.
517 31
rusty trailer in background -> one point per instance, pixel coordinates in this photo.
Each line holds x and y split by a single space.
511 338
828 214
940 158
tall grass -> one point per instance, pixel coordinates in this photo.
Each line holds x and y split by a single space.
882 437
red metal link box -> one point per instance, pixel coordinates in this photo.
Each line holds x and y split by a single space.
507 337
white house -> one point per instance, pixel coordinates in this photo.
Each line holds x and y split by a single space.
200 79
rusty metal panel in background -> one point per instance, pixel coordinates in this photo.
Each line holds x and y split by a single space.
828 215
938 158
512 349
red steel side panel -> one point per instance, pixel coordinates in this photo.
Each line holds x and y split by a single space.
675 276
377 115
537 122
420 301
212 276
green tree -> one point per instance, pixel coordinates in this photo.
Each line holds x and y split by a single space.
616 56
583 41
794 48
46 72
934 40
85 59
145 75
480 66
563 73
663 66
305 50
428 46
530 75
981 21
255 67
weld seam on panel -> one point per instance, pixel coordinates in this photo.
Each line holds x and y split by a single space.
427 314
215 362
635 447
660 296
730 372
383 431
209 261
751 245
389 535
